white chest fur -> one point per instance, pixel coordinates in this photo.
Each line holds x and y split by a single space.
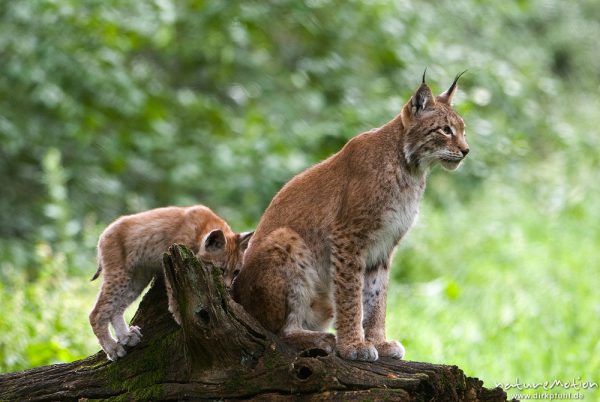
396 220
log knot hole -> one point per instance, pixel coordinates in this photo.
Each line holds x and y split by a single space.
304 369
203 316
303 372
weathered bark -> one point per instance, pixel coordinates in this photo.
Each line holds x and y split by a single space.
220 352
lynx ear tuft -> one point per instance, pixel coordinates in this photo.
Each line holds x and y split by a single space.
244 239
447 96
214 241
421 100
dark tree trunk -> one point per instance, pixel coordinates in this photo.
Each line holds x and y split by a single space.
220 352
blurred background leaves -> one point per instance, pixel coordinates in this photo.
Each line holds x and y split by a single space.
112 107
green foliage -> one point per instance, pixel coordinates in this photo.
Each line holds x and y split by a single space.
44 320
509 297
175 102
112 107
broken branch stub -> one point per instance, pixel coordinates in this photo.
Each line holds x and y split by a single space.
217 332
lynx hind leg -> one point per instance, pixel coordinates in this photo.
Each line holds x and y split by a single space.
303 339
129 290
374 306
301 278
126 336
100 320
118 291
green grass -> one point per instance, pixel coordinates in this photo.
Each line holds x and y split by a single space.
44 320
504 285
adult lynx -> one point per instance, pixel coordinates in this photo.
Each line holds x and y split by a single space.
130 253
322 248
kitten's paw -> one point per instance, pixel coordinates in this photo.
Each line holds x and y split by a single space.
390 349
114 351
136 330
364 351
132 337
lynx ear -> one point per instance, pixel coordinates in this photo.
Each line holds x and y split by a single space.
214 241
421 100
447 96
244 239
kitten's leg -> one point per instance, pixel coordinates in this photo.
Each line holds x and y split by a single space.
348 284
126 335
100 319
374 304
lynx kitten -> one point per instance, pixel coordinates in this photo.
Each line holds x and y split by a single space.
321 251
130 253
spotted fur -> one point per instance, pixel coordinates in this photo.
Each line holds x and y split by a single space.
130 253
322 249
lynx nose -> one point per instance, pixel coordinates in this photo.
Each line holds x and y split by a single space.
464 152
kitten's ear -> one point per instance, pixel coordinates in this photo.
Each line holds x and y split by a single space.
214 241
447 96
244 239
421 100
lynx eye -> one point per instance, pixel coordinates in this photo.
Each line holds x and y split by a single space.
447 130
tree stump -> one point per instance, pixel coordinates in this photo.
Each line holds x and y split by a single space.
220 352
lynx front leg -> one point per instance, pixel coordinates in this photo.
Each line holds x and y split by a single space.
348 283
374 304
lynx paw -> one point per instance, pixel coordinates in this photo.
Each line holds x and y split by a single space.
390 349
114 351
131 337
364 351
325 342
304 340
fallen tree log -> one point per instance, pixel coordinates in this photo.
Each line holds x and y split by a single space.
220 352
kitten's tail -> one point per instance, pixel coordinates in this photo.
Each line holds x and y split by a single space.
97 274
